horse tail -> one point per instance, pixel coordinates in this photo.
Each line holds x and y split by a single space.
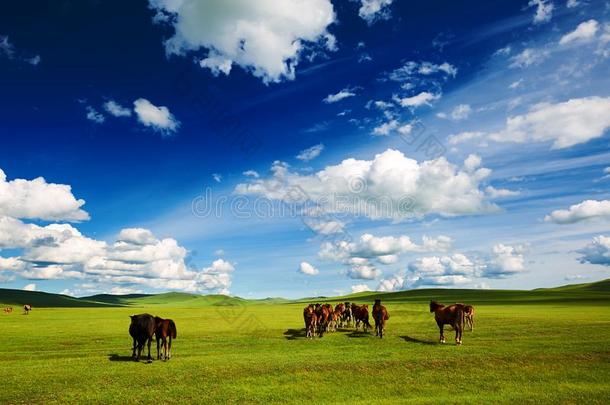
461 315
172 329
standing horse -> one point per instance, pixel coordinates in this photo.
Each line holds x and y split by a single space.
324 314
311 320
361 316
26 309
165 329
141 329
452 315
347 318
469 316
380 315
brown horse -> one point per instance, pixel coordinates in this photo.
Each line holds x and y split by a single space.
141 329
8 310
346 318
452 315
469 316
380 315
311 320
361 316
26 309
165 329
324 315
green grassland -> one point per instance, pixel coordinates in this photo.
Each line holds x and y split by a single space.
541 346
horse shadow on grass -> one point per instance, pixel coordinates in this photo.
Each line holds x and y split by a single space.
358 334
415 340
292 334
118 357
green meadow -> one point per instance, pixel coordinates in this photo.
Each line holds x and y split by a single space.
541 346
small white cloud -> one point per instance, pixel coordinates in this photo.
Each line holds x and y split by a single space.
373 10
464 137
516 84
494 193
572 3
157 118
94 115
251 173
544 10
217 64
217 177
117 110
461 112
308 269
343 94
529 57
29 287
310 153
586 210
423 98
358 288
585 32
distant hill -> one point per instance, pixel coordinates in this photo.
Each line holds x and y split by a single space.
596 291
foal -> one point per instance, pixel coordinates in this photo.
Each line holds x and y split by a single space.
164 329
452 315
469 315
380 315
311 320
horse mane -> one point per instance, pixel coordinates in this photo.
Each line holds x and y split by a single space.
435 305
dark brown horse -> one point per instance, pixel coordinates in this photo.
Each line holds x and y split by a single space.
380 315
141 329
165 329
346 318
311 320
452 315
469 316
361 316
324 315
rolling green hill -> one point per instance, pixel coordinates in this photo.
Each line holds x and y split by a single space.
597 291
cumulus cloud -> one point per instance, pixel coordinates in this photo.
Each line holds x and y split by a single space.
373 10
583 33
29 287
357 288
586 210
505 261
544 10
37 199
115 109
343 94
308 269
388 186
157 118
259 36
568 123
310 153
596 252
423 98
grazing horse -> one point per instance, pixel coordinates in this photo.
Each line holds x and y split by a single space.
361 315
164 329
27 308
323 313
8 310
311 320
380 315
452 315
469 316
141 329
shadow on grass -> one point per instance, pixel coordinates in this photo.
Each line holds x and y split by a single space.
358 334
415 340
118 357
292 334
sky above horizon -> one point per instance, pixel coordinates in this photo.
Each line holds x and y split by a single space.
303 148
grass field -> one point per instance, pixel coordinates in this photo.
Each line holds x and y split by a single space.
544 346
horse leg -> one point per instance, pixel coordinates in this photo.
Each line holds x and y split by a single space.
140 348
133 353
149 342
169 348
158 352
442 338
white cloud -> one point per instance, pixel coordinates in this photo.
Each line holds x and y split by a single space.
310 153
544 10
597 251
157 118
7 50
137 236
357 288
572 3
115 109
566 124
37 199
423 98
29 287
586 210
94 115
217 177
461 112
388 186
386 128
464 137
373 10
343 94
529 57
251 173
363 271
584 32
505 261
324 227
494 193
11 264
435 266
263 37
308 269
516 84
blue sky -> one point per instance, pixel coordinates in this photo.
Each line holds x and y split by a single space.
344 145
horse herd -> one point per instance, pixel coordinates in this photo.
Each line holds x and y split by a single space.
323 318
26 309
142 329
